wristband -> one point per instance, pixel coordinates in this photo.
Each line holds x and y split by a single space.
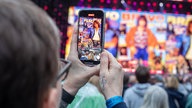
66 97
114 101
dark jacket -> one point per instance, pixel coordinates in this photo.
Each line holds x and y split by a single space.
120 105
176 99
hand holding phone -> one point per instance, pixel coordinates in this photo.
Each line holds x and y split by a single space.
90 36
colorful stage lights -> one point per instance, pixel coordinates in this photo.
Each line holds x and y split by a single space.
180 6
161 4
148 4
102 1
139 5
168 5
154 4
45 7
174 6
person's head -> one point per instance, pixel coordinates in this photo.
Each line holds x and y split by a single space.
87 36
158 78
29 52
142 74
87 52
142 21
132 79
96 24
189 28
126 79
155 97
171 82
123 51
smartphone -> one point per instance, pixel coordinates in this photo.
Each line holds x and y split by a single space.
90 36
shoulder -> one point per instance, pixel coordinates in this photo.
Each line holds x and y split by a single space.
133 29
148 30
129 91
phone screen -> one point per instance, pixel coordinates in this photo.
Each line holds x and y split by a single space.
90 38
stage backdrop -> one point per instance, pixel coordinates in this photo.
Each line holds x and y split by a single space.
159 44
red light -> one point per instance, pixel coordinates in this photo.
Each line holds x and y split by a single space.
176 12
88 5
102 1
114 8
164 11
55 9
151 10
139 9
89 0
141 3
45 8
129 2
60 5
180 6
101 6
168 5
115 1
59 13
188 13
154 4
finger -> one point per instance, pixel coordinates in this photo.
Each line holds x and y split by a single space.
95 70
112 59
104 63
73 47
114 64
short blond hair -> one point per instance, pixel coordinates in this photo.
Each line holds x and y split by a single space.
171 82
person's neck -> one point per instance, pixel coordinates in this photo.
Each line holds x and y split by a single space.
96 28
140 28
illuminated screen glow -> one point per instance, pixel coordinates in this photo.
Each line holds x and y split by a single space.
147 38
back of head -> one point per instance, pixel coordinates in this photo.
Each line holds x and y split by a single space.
171 82
158 78
29 47
126 79
142 74
155 97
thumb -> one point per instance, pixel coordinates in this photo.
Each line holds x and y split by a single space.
104 64
95 70
73 46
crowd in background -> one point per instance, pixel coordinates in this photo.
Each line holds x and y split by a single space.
142 90
178 89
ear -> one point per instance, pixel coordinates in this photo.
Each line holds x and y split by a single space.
53 99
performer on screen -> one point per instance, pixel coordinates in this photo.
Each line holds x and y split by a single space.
187 45
96 33
111 39
141 41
